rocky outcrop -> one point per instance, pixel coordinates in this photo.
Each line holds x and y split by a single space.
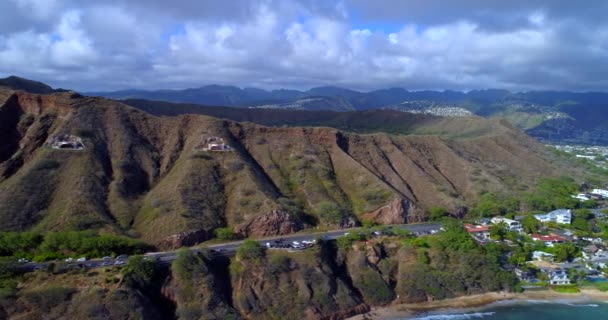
183 239
276 222
398 211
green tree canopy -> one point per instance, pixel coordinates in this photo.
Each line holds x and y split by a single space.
250 249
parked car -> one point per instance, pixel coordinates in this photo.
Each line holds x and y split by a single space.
122 257
69 260
119 263
81 259
23 260
106 258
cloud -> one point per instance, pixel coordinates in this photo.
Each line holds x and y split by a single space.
429 44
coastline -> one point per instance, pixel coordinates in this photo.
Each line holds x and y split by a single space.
408 310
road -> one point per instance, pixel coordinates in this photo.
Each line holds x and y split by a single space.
229 249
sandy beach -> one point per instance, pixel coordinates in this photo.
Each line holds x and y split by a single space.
406 310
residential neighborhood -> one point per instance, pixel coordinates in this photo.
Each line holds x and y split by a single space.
558 253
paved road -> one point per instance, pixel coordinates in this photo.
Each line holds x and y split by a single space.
229 249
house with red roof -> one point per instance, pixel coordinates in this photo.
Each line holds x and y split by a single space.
478 232
548 240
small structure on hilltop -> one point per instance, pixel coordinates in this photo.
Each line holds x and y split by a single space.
213 144
65 142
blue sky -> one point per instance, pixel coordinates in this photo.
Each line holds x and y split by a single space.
358 44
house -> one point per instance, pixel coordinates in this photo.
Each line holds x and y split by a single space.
562 216
582 197
542 256
484 221
65 142
600 192
590 251
512 225
558 277
218 147
525 276
213 144
548 240
478 232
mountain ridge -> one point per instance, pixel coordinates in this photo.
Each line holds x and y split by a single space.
150 177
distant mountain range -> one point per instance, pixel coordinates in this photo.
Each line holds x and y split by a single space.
556 116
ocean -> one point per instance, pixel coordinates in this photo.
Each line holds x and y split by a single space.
524 310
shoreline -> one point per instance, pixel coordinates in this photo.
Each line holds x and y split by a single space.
409 310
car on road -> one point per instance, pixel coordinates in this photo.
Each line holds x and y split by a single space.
106 258
69 260
122 257
119 263
23 260
81 259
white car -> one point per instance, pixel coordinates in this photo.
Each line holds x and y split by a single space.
23 260
69 260
82 259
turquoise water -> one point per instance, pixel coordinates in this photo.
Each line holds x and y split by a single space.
534 310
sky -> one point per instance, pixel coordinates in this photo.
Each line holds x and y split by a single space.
518 45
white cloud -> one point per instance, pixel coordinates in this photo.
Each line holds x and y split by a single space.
72 48
118 44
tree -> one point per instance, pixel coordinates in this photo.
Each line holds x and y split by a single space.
564 252
530 224
491 204
225 234
583 214
589 204
437 213
250 249
140 270
581 224
498 231
330 212
552 193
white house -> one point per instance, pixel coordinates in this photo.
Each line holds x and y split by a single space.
558 277
542 256
511 224
601 192
582 197
562 216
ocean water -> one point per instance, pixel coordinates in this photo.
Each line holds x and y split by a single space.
526 310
